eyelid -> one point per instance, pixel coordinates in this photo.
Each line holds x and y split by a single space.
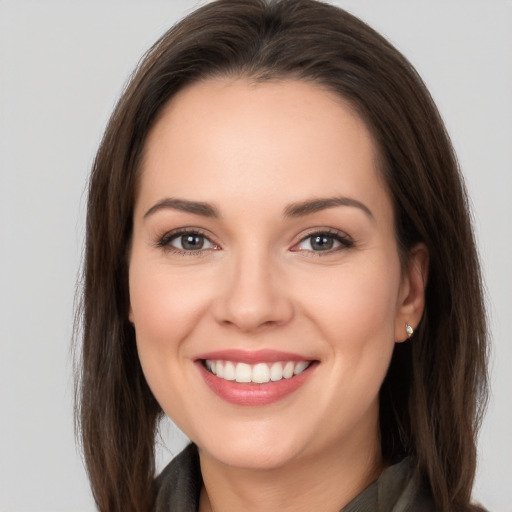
343 238
164 241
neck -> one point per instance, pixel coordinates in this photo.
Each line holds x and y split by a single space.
323 483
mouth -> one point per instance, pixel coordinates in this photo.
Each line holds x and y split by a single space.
259 373
254 378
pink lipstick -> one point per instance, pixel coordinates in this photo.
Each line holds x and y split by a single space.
254 378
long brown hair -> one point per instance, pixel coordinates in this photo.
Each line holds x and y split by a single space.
432 398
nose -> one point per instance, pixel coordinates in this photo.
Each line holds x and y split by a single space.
253 295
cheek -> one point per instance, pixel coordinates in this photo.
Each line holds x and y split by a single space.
356 304
165 308
164 304
355 310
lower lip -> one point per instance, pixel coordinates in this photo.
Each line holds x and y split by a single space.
253 394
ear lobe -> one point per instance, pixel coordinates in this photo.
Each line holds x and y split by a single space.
411 300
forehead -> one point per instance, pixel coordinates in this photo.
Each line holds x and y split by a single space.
282 138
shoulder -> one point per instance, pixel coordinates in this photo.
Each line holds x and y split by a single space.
401 489
396 490
178 486
411 493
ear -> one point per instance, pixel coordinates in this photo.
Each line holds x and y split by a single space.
130 314
411 297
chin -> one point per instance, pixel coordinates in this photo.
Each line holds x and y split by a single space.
252 452
252 459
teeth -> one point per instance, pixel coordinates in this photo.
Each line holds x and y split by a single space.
300 367
229 371
242 373
288 370
260 373
276 372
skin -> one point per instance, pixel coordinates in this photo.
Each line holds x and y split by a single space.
250 151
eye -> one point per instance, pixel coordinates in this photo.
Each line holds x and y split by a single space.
323 242
186 242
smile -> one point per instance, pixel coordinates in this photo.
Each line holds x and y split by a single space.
254 378
260 373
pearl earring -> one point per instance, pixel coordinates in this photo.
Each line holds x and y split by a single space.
409 330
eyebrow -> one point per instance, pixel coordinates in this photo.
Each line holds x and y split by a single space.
298 209
195 207
315 205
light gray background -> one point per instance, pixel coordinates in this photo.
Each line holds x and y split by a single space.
62 66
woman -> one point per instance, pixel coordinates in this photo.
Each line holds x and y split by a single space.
265 265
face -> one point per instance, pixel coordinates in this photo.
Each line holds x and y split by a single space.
265 284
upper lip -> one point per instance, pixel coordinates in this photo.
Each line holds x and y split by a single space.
252 356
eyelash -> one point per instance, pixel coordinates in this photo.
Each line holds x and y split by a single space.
342 238
164 242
